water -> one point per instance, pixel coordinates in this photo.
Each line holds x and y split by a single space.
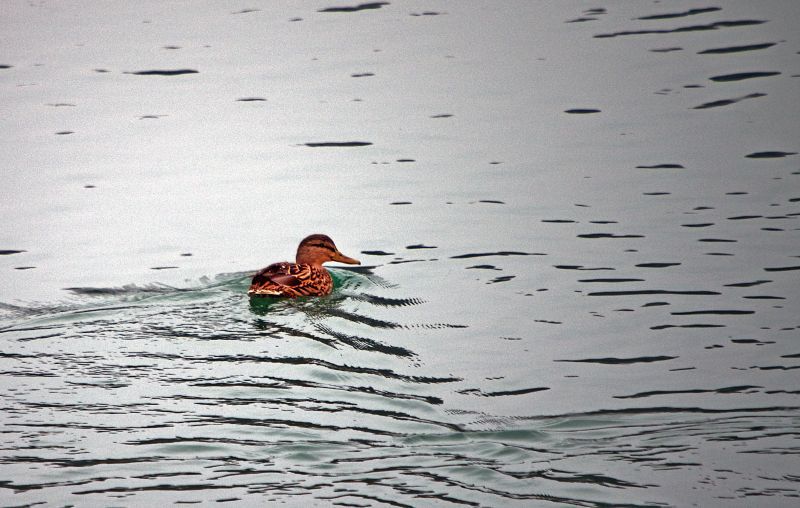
578 228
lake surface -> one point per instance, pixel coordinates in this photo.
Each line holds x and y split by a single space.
578 225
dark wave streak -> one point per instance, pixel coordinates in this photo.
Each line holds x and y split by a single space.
655 410
736 49
287 383
387 302
337 144
724 390
498 253
694 28
165 488
286 423
355 8
165 72
504 393
748 284
653 292
324 406
683 14
692 325
366 344
740 76
713 312
358 318
276 328
781 268
612 280
728 102
622 361
608 235
387 373
453 483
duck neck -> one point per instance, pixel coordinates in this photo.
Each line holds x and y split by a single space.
309 260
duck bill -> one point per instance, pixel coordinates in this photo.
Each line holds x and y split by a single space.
341 258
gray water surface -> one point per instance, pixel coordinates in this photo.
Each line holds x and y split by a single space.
578 228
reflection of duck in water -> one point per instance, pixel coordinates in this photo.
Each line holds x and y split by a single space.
306 276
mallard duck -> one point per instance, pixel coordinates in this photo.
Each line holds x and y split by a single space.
306 276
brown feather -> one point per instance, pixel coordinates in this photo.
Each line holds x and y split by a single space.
291 280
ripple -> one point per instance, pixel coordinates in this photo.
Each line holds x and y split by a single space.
769 155
581 267
608 235
725 390
504 278
736 49
611 280
506 393
745 217
682 14
728 102
655 292
482 267
582 19
691 325
741 76
622 361
782 268
581 111
131 289
502 253
287 383
366 344
355 8
305 361
748 284
337 144
713 312
163 72
693 28
388 302
662 166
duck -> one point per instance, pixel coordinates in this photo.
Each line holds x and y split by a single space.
306 276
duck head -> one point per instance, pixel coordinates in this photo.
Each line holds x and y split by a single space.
317 249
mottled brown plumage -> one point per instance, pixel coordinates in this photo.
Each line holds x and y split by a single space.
306 276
